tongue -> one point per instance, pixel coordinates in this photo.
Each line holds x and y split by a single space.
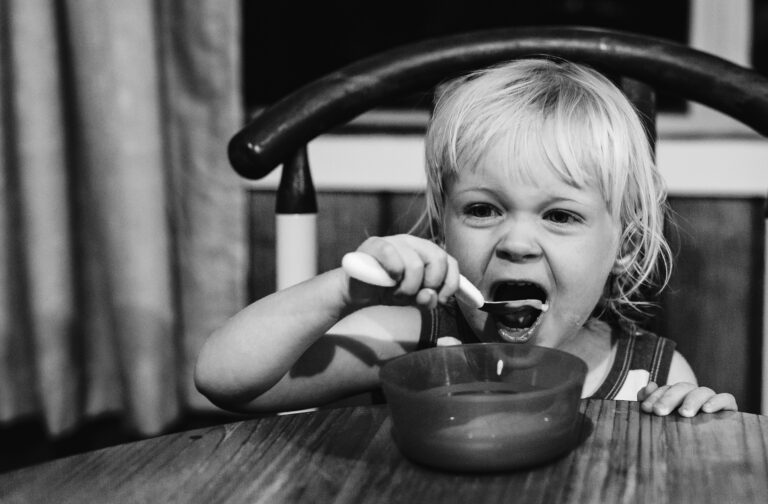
520 318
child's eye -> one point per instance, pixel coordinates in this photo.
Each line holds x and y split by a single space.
481 211
563 217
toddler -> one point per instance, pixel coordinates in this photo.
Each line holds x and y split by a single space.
541 189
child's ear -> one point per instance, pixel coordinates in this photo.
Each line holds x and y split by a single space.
621 264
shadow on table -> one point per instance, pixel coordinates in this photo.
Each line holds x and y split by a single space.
27 442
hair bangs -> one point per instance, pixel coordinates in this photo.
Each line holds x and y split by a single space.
564 126
540 142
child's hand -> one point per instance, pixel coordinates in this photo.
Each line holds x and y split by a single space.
424 274
688 398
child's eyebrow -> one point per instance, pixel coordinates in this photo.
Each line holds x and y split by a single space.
559 200
575 194
545 199
490 191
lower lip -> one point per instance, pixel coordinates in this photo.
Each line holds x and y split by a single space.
513 336
518 335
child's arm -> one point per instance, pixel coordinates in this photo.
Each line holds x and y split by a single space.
683 394
327 337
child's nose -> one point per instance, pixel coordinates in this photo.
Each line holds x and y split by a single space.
519 243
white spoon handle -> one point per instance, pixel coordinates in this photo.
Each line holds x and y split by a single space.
363 267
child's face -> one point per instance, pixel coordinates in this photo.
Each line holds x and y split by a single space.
517 239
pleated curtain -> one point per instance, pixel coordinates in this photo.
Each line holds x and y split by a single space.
121 223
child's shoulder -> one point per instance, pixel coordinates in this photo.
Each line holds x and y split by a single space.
656 354
639 348
639 356
639 339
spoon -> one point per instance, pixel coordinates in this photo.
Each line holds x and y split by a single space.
363 267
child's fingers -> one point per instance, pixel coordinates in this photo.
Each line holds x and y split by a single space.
436 267
427 298
424 272
399 260
650 400
387 254
694 400
720 402
666 398
450 281
413 272
428 265
646 391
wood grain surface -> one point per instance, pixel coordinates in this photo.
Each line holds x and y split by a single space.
347 455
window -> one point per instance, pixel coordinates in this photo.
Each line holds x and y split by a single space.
289 43
760 36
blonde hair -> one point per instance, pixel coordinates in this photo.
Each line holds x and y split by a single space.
574 121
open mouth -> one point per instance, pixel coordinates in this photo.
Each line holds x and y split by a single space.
521 313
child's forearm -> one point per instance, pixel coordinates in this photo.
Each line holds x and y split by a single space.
259 345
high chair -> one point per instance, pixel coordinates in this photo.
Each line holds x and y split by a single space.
640 65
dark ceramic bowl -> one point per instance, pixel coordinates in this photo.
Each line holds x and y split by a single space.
486 406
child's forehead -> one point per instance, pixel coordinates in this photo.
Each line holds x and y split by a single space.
536 164
508 177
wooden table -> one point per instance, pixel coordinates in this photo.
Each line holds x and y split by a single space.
347 455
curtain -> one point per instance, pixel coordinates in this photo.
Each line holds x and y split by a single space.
121 222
